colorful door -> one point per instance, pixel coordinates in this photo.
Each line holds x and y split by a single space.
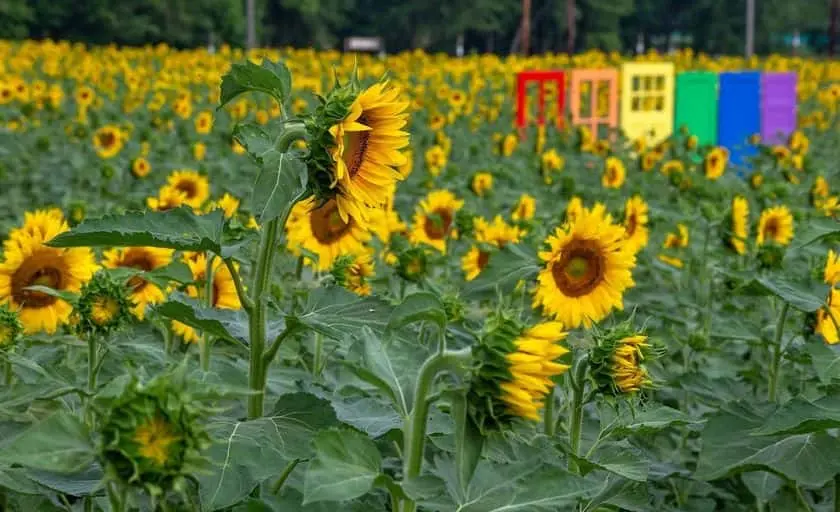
600 106
778 107
647 100
738 114
540 77
696 105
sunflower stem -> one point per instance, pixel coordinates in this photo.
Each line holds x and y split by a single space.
837 493
414 429
92 364
319 350
549 423
773 377
578 383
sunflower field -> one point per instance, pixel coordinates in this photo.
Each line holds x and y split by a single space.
290 280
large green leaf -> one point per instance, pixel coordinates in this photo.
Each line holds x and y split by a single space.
178 228
816 231
763 484
248 452
272 78
826 360
421 306
373 417
256 141
345 466
797 296
652 420
60 443
508 266
730 446
76 484
802 416
230 324
621 458
336 312
280 183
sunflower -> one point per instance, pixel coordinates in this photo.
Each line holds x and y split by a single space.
672 167
142 292
196 188
516 367
617 362
828 319
199 150
799 142
574 209
38 223
168 198
649 160
434 219
367 149
319 229
586 269
435 159
223 290
353 271
140 167
715 162
509 143
496 234
524 209
108 141
227 203
831 273
775 224
482 182
204 122
614 173
678 240
756 180
780 153
550 161
635 223
740 224
820 190
691 142
384 222
29 262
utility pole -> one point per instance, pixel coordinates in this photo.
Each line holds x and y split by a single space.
526 27
251 40
570 26
750 28
832 27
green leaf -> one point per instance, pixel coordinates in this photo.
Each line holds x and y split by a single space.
730 447
178 228
468 440
335 312
762 484
256 141
280 184
229 324
508 266
83 483
272 78
621 458
653 420
247 453
345 466
801 416
60 443
68 297
796 296
373 417
826 360
420 306
15 480
816 231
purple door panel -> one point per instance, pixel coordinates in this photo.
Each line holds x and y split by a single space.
778 106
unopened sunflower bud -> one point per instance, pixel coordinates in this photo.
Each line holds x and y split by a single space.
103 306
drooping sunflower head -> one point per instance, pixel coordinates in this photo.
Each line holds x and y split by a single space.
715 162
434 219
586 269
635 223
28 262
319 229
103 306
515 367
195 187
10 328
614 173
354 271
356 138
740 224
775 225
617 363
151 438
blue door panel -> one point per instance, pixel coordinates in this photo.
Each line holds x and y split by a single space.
739 114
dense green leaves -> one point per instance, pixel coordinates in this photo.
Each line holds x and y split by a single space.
230 324
272 78
506 268
59 443
420 306
345 466
337 313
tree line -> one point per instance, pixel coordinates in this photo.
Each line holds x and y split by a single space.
714 26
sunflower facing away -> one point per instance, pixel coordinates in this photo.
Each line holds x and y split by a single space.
367 149
321 230
617 361
496 234
142 292
740 224
29 262
586 269
434 219
516 367
776 225
635 223
196 188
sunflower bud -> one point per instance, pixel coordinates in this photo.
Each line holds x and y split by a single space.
412 264
353 270
10 328
515 367
454 307
150 436
617 363
771 255
103 306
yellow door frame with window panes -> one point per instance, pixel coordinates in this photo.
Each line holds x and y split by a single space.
647 101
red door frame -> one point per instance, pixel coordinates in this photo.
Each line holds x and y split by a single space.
541 77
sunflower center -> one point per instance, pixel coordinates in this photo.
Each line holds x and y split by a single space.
326 223
580 268
632 223
107 139
483 259
437 224
356 144
25 277
139 262
187 187
771 229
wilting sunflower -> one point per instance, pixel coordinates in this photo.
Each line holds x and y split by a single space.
496 234
740 224
586 269
482 183
108 141
321 230
196 188
223 290
776 225
29 262
524 209
367 149
715 163
516 366
614 173
635 223
434 219
142 292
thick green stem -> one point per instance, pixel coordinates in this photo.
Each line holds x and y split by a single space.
257 318
319 351
549 421
92 364
414 430
578 383
205 342
836 493
773 377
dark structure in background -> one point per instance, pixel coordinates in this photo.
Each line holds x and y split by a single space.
713 26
